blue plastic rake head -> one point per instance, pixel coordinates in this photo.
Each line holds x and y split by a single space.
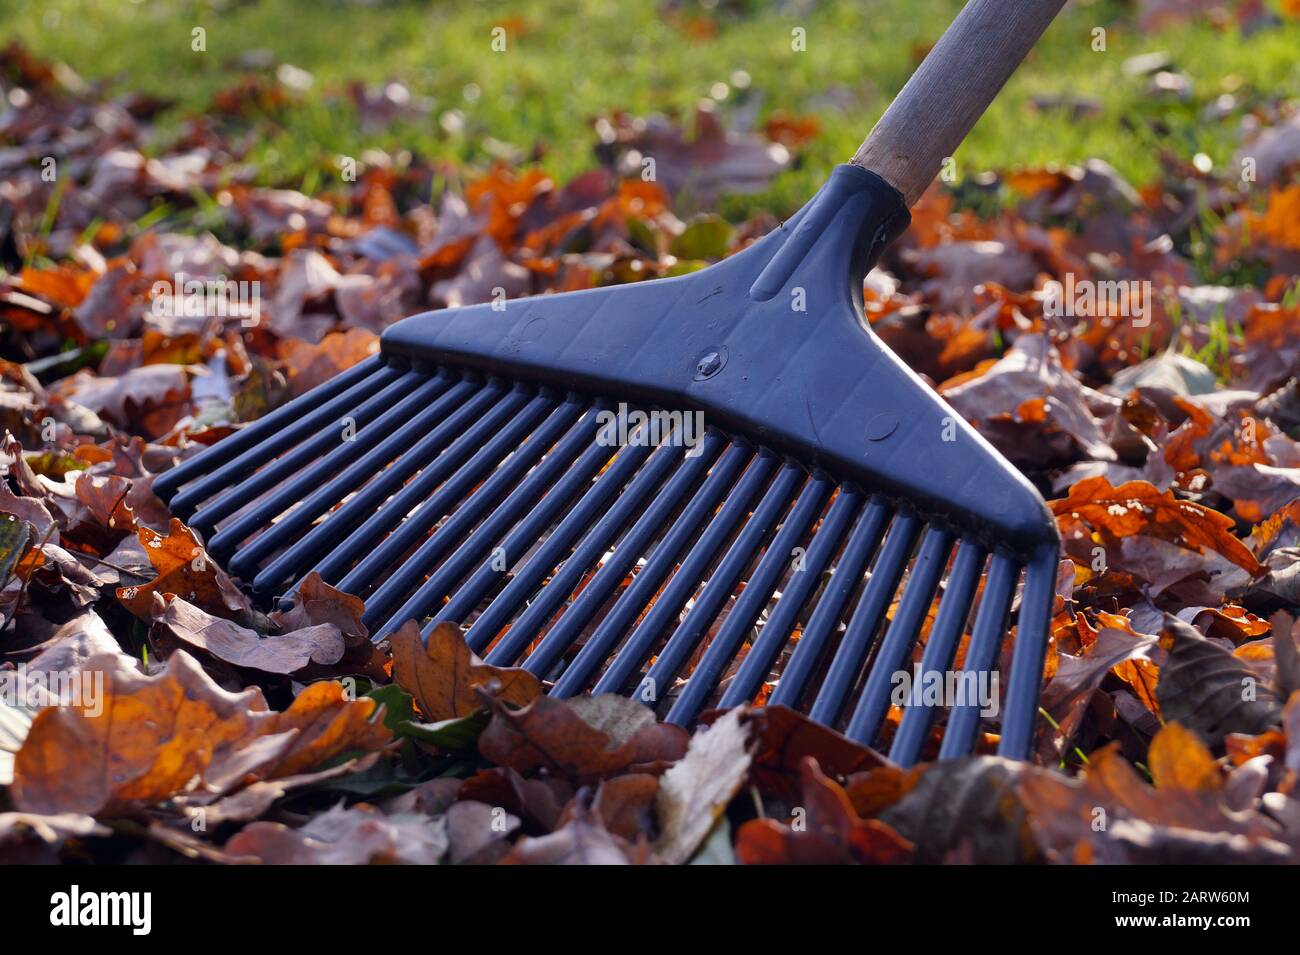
487 468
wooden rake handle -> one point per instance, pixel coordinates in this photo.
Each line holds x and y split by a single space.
951 89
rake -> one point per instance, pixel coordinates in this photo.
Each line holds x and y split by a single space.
536 470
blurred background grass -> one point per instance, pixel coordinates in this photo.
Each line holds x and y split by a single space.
569 61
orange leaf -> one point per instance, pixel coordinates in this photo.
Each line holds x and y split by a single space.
1179 760
444 674
1139 507
184 569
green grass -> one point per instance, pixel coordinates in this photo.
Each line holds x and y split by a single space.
578 59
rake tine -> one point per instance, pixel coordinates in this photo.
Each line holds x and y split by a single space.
584 556
286 491
648 579
410 421
233 486
462 559
416 523
288 423
420 493
845 578
918 595
437 455
1027 660
867 616
758 591
686 581
531 526
982 651
949 624
723 581
680 488
433 489
764 651
525 581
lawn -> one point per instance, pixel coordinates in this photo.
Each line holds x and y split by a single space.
567 62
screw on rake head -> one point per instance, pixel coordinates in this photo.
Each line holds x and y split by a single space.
710 363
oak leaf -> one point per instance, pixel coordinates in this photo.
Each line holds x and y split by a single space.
444 675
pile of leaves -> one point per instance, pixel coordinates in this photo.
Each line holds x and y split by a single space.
206 730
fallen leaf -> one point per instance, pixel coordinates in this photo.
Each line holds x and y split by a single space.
1111 816
290 652
131 738
695 791
583 840
826 831
341 836
1208 690
326 724
444 675
964 810
1179 760
184 568
580 740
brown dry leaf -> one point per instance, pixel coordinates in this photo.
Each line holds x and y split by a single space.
310 365
1068 692
256 798
113 308
357 836
1110 815
539 802
327 723
135 739
714 162
828 832
139 739
316 602
63 285
1177 549
184 569
51 829
1140 508
445 676
478 833
1228 622
1031 408
486 269
581 740
1179 760
283 653
956 269
1207 689
149 400
695 791
792 131
583 840
626 804
875 790
1279 224
506 196
964 810
785 737
120 504
32 510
